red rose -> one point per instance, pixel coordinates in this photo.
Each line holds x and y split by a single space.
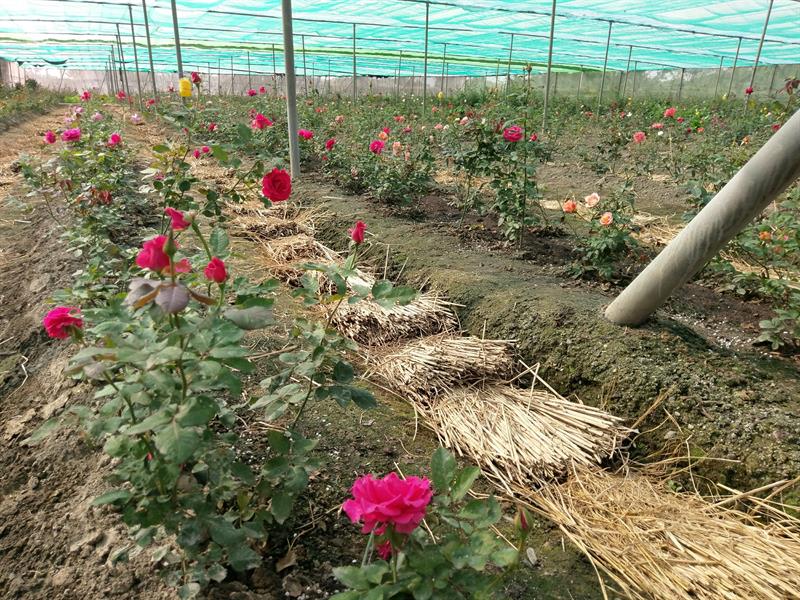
196 78
357 232
330 143
513 133
59 321
277 185
215 271
152 255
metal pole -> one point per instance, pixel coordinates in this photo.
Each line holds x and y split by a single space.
122 65
305 71
735 60
719 76
580 82
633 84
219 76
135 56
177 38
549 65
249 76
413 77
446 77
399 70
761 44
329 77
232 76
208 64
624 86
444 62
149 49
508 70
355 70
113 69
680 84
772 79
770 171
497 76
605 66
291 92
425 64
274 72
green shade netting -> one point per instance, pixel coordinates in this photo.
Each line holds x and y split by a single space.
471 38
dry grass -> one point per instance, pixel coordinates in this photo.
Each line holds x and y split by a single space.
370 324
658 544
426 368
524 437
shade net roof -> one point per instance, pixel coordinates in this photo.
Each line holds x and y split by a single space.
473 38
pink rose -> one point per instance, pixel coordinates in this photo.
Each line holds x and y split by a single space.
670 112
49 137
71 135
196 153
205 149
121 95
397 148
212 126
357 232
178 219
251 92
114 140
152 255
86 96
513 133
260 121
376 147
592 199
569 206
329 144
276 185
391 501
748 90
262 90
215 271
61 321
399 118
657 126
97 117
533 137
305 134
639 137
606 219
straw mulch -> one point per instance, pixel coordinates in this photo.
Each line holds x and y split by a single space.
370 324
294 248
658 544
524 437
426 368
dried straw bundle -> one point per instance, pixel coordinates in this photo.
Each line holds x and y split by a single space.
658 544
270 227
295 248
426 368
524 437
369 323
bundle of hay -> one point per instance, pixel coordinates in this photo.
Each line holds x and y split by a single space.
434 365
370 324
295 248
524 437
655 543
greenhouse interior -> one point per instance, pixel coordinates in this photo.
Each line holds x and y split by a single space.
412 299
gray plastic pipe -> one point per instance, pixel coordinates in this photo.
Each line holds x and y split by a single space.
291 89
773 168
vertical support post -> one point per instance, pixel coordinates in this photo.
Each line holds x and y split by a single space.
733 71
249 73
274 72
208 64
580 82
305 70
113 71
549 65
760 45
122 65
605 67
508 69
719 76
219 76
770 171
413 77
425 63
177 35
291 92
399 70
497 77
772 80
444 62
633 85
232 76
623 86
149 49
135 56
680 84
355 70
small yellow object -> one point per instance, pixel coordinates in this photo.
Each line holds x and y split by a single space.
185 87
440 95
